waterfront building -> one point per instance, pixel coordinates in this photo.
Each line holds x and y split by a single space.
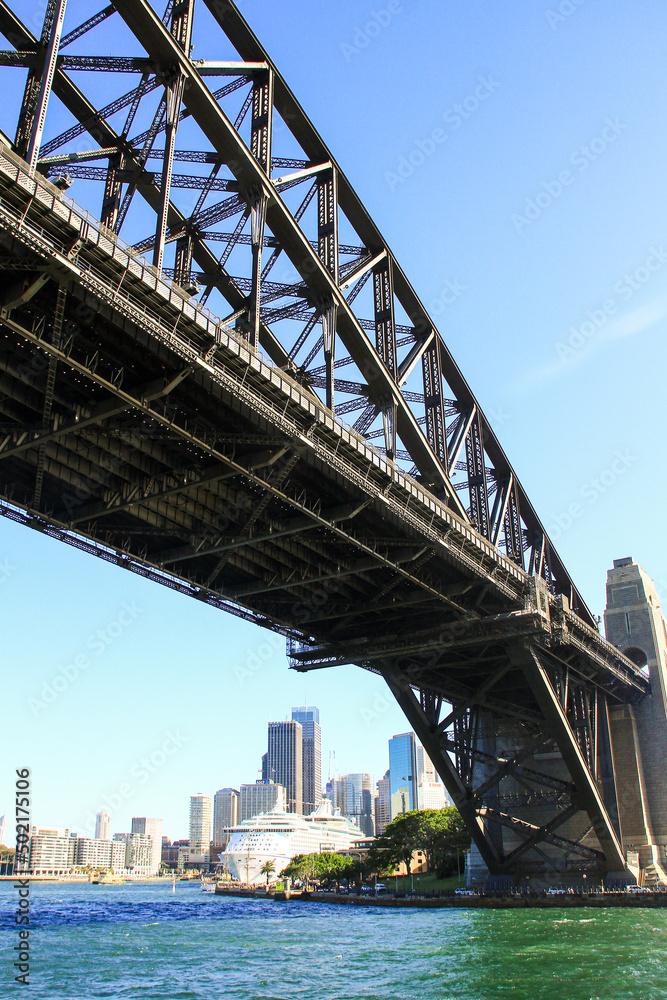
382 805
403 773
100 855
51 851
309 718
278 836
284 762
138 853
103 826
150 827
200 823
260 797
225 813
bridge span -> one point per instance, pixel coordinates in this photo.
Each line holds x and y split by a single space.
213 455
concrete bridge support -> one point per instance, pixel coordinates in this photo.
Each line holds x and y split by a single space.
634 623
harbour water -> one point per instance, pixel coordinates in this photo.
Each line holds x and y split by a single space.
142 941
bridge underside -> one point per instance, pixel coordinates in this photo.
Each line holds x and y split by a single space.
139 427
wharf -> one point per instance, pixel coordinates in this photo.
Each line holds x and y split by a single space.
600 900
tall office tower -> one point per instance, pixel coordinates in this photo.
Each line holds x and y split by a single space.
265 767
284 761
200 824
152 828
260 797
634 623
358 802
309 717
2 831
382 805
425 769
403 773
103 826
225 813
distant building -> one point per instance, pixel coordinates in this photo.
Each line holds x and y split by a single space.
309 718
225 813
138 853
382 805
2 831
403 773
51 851
103 826
152 828
200 823
425 768
284 763
100 855
261 796
170 851
431 795
353 796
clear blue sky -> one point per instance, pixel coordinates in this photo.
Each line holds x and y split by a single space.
541 200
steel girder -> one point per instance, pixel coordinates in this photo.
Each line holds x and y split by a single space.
493 788
515 525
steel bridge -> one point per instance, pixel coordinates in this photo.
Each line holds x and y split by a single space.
306 454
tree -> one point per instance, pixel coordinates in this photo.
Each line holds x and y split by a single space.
268 868
439 833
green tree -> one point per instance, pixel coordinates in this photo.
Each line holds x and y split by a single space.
268 868
439 833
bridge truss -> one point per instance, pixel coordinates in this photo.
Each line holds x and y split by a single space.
313 461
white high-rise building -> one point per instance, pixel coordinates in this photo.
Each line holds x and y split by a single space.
138 852
200 823
103 826
51 851
101 855
152 828
2 831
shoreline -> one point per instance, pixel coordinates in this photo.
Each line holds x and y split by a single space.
593 900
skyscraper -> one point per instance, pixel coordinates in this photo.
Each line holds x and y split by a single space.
150 827
225 813
382 805
260 797
200 824
284 761
402 773
309 717
357 800
103 826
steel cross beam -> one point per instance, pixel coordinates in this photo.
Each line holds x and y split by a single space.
558 726
143 22
102 132
249 47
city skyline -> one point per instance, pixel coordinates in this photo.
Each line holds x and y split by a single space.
522 294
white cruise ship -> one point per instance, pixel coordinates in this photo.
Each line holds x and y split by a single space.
278 836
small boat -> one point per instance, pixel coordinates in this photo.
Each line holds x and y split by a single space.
208 887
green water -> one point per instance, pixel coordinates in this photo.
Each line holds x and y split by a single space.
144 942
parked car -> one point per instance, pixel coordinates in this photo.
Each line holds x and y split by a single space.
380 887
